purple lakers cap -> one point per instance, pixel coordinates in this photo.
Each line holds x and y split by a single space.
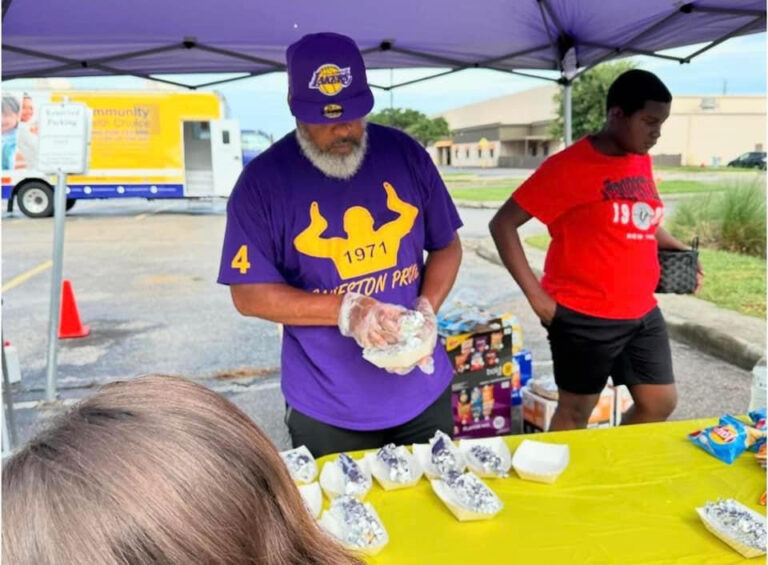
326 80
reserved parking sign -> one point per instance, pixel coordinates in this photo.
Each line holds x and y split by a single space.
64 135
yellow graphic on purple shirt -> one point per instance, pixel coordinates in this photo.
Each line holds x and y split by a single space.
365 250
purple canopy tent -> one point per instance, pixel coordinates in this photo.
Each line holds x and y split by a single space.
145 38
149 37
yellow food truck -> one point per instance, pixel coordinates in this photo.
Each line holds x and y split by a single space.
143 145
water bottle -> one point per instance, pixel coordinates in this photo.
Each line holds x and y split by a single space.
757 397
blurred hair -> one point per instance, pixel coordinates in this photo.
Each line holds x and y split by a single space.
159 471
10 104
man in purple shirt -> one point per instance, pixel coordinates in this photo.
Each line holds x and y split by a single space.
326 234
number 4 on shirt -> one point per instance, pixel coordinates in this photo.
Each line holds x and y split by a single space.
241 260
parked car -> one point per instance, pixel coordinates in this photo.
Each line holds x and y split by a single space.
751 160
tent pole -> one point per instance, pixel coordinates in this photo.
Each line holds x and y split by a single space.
59 207
568 112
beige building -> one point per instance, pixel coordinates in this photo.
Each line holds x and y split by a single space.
711 130
512 131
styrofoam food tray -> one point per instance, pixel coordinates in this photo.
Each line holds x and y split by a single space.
539 461
381 476
302 449
496 444
462 514
423 453
745 550
332 479
313 498
335 528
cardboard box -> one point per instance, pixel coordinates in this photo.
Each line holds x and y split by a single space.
485 373
483 410
538 411
524 361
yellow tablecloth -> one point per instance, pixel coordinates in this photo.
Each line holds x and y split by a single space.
628 497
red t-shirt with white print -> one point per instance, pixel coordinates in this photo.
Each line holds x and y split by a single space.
602 213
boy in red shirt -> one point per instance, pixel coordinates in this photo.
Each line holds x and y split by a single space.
600 204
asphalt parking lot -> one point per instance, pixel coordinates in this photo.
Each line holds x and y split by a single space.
144 275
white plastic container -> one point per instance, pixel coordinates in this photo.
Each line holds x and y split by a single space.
540 462
446 495
423 453
495 444
757 398
313 498
331 523
378 470
716 529
332 479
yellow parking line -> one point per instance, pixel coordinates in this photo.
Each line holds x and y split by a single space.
23 277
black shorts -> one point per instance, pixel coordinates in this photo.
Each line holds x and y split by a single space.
321 438
587 350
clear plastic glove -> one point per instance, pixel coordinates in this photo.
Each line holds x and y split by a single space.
369 322
427 334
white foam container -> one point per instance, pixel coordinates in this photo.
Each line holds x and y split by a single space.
539 461
423 454
379 472
313 498
462 514
336 529
714 528
332 479
495 444
302 449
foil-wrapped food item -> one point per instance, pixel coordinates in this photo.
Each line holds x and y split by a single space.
472 494
488 461
356 483
445 457
736 524
354 524
411 346
396 461
301 465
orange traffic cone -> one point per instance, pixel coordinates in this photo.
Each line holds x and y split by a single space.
69 320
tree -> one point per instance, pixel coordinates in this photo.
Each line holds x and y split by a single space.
588 95
422 128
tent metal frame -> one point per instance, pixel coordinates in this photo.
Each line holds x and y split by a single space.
559 42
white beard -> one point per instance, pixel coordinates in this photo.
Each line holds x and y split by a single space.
341 167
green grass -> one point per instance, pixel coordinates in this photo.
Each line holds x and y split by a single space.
686 186
489 193
694 169
732 281
499 191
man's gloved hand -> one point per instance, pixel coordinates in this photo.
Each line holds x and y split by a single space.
369 322
427 334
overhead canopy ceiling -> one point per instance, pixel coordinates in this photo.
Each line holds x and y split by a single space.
150 37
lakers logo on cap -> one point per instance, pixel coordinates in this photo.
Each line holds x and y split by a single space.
330 79
332 111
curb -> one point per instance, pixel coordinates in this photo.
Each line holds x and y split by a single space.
492 205
706 338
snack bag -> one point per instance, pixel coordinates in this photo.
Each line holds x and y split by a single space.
758 421
755 435
726 441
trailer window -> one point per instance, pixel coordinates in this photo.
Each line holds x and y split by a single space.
225 137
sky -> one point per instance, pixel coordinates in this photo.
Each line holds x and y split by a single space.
737 66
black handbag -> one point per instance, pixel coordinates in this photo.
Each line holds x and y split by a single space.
678 270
